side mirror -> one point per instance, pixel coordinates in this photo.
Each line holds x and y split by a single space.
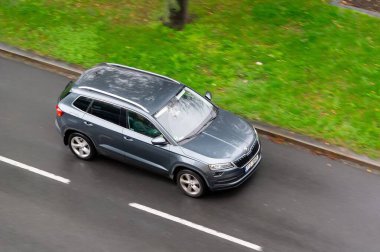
208 95
160 140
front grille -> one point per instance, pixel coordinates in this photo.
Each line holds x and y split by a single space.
243 160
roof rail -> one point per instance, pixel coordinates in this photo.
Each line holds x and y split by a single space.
115 96
143 71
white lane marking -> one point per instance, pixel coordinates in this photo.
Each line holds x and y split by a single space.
196 226
35 170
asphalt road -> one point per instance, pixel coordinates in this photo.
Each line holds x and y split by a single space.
296 201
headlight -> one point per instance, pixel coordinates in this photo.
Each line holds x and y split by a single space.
223 166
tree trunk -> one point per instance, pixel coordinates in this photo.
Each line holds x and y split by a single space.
178 16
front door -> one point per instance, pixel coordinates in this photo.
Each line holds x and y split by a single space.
138 143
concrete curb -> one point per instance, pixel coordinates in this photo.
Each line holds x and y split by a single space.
44 62
318 147
278 134
364 11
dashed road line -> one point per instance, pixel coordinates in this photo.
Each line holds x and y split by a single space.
35 170
197 226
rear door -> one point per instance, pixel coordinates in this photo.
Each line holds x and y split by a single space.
104 124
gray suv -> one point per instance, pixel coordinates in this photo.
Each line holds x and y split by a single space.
157 123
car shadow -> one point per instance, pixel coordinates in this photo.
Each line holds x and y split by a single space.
233 192
132 177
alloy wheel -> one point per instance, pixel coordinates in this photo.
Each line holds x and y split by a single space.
80 147
190 184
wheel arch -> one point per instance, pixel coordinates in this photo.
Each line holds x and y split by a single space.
180 167
68 132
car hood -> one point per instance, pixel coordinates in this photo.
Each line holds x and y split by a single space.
225 138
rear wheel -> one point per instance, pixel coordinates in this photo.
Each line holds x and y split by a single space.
190 183
81 146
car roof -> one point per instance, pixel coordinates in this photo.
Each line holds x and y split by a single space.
143 89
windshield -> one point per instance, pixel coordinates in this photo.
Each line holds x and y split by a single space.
185 114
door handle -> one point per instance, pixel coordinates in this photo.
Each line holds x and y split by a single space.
88 124
127 138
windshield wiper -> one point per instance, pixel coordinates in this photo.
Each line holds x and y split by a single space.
216 114
201 129
197 133
191 136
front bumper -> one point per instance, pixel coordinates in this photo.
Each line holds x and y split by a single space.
235 177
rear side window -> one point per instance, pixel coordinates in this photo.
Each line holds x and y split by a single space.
66 91
106 111
82 103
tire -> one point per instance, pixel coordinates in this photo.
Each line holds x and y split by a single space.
190 183
81 146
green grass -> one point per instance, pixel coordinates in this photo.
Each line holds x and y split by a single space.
321 64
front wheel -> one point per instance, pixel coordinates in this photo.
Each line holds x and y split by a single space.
190 183
81 146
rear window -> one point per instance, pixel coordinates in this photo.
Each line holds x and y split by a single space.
66 91
106 111
82 103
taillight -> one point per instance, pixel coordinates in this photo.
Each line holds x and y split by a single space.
58 111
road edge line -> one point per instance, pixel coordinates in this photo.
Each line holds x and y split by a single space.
196 226
278 133
34 170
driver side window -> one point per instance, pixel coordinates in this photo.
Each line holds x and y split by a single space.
140 124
